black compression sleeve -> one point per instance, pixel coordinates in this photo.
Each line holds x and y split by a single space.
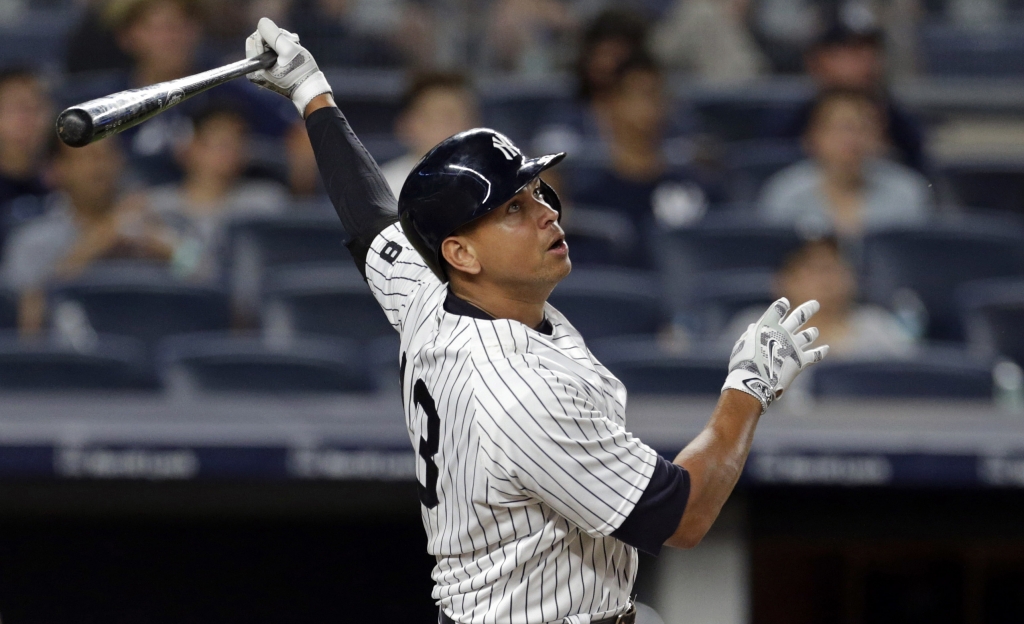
354 182
656 515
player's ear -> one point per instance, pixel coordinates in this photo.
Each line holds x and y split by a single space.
458 252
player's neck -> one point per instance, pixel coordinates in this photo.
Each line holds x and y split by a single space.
527 308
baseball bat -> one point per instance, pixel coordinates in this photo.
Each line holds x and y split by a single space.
97 119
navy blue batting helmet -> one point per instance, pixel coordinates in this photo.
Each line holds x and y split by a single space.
463 178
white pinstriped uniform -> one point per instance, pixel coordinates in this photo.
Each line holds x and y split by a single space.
524 463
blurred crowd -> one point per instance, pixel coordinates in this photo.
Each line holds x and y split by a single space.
846 161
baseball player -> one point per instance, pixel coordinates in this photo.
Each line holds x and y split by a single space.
535 497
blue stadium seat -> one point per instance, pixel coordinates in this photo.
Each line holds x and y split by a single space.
513 107
997 51
995 184
932 261
610 302
111 363
301 236
955 376
143 302
721 242
599 236
646 368
748 113
200 363
8 309
720 295
328 299
369 97
37 39
994 315
749 164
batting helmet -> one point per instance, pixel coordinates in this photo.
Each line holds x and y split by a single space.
463 178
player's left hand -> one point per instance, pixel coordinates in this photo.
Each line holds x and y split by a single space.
772 352
295 74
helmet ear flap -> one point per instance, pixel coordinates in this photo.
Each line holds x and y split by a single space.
551 197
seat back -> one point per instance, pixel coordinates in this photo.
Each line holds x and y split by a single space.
326 299
203 363
932 261
610 302
144 303
953 377
112 364
645 368
994 316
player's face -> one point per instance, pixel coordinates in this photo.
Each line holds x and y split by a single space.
520 244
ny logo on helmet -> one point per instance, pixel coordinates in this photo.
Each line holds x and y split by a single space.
505 146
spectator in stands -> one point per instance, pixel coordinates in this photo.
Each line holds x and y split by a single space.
87 220
613 37
710 39
819 271
434 107
163 39
212 191
640 181
845 187
26 126
92 46
528 36
845 57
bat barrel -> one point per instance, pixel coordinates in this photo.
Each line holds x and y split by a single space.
96 119
75 127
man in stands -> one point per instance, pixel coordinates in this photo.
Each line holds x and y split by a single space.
26 125
434 107
87 220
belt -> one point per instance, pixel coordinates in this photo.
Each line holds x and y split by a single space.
629 617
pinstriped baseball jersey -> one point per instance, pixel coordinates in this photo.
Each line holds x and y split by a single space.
525 467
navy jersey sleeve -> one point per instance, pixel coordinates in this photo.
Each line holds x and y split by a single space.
354 182
656 515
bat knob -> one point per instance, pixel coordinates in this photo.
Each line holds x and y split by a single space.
75 127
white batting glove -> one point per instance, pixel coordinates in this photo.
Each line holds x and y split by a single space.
295 75
771 353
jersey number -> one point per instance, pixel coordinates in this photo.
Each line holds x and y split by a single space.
428 446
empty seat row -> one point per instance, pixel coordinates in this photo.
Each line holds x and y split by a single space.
197 364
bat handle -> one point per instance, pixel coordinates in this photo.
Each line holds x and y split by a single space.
266 59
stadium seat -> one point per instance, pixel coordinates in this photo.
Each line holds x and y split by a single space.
514 106
369 97
721 242
994 316
749 164
8 309
951 376
995 51
600 237
142 301
201 363
610 302
747 113
932 261
720 295
986 183
108 363
645 368
37 39
301 236
329 299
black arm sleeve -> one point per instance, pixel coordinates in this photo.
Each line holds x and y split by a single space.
354 182
656 515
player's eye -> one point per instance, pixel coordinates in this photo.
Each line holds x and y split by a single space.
538 193
514 207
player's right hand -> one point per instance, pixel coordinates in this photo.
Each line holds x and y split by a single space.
295 75
772 352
